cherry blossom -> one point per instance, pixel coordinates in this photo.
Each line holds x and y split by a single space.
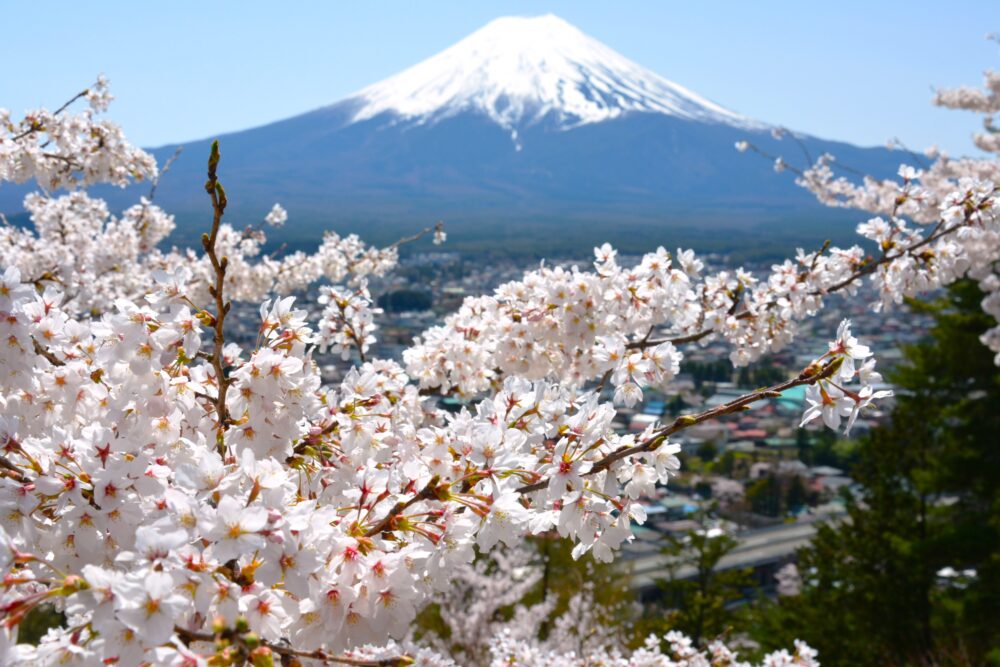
184 499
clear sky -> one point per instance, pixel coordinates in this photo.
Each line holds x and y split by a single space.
849 70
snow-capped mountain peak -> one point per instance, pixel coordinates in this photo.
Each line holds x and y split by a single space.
517 70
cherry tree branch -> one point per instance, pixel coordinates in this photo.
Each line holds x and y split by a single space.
810 375
45 352
12 469
163 170
286 268
428 492
218 194
416 237
41 128
863 270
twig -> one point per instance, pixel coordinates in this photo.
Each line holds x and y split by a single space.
45 352
166 167
419 235
604 380
916 156
764 154
215 190
65 106
428 492
288 267
38 128
808 376
14 470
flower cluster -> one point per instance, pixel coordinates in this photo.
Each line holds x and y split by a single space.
585 633
671 650
348 321
62 150
179 498
565 325
829 398
938 222
94 257
277 217
318 516
572 326
680 651
321 515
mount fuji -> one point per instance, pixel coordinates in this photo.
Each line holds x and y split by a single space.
527 135
520 71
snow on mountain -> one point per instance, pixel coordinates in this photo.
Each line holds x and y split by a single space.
518 70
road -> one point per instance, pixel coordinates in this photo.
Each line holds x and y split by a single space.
756 548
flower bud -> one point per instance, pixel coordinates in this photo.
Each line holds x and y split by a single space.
262 657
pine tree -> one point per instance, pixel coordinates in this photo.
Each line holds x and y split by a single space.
698 596
886 584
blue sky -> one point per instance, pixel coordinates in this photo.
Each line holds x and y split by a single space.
856 71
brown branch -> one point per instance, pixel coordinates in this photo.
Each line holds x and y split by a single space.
919 159
15 472
323 656
416 237
63 158
166 167
215 190
795 170
604 379
808 376
428 492
358 341
205 397
358 344
47 353
65 106
767 156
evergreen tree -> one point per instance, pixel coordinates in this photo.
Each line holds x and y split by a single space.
884 585
698 596
765 496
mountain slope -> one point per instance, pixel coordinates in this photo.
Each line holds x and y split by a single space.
527 133
517 71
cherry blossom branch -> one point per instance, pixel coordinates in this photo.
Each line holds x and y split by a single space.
776 159
323 656
163 170
349 331
14 471
46 353
810 375
286 268
895 142
40 128
437 228
218 194
863 270
428 492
